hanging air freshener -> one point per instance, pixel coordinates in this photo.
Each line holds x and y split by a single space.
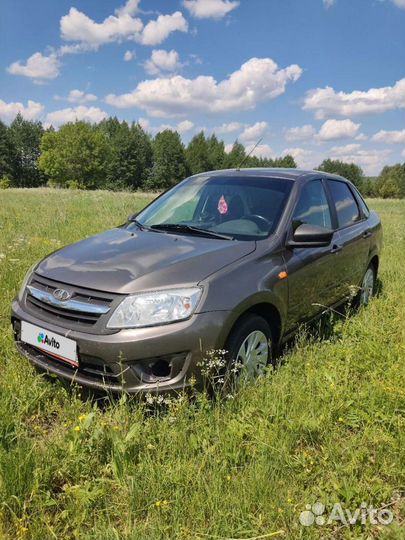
222 205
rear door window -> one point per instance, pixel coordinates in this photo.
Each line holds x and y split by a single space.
346 206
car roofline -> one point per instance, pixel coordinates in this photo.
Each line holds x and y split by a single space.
274 172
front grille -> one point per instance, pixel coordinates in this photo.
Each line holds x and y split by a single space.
59 315
93 367
63 314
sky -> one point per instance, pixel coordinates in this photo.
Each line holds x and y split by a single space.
313 78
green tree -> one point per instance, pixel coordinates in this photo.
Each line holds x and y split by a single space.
130 159
76 155
235 156
351 171
7 152
169 161
391 182
368 186
26 139
287 162
216 153
197 154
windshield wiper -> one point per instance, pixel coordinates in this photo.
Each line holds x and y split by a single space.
138 224
177 227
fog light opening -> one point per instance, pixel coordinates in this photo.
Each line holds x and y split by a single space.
161 368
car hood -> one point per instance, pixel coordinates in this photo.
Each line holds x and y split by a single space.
124 261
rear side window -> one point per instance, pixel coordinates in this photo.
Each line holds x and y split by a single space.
312 207
365 209
346 206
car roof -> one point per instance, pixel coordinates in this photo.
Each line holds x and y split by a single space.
273 172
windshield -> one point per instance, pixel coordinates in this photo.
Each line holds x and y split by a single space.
243 208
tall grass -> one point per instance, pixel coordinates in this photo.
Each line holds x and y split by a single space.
326 425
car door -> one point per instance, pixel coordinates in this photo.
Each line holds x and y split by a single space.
312 273
354 237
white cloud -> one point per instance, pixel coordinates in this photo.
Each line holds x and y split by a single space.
390 137
38 67
157 31
76 26
144 123
326 101
372 161
257 80
345 149
261 150
77 96
231 127
332 130
399 3
77 48
71 114
130 8
161 60
300 133
184 126
181 127
307 159
129 55
251 134
31 111
215 9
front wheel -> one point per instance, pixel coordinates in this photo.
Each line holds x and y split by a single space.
249 348
367 286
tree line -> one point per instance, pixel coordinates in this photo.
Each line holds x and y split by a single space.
118 155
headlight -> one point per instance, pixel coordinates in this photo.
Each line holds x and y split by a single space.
154 308
25 281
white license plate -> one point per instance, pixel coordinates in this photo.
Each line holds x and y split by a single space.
58 346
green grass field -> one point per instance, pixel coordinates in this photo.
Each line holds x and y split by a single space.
327 425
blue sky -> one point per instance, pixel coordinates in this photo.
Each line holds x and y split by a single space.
315 78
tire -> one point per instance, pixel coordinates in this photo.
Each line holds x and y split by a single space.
367 287
254 333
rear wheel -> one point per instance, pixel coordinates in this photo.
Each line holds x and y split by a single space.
249 348
367 286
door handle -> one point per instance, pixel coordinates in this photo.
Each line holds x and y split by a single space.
366 234
336 248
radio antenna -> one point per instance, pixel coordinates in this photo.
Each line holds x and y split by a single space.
249 154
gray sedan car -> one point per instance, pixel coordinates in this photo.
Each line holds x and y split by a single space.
232 260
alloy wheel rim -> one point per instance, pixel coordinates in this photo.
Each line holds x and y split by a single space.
253 354
367 287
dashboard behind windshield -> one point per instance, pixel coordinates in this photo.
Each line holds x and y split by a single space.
244 208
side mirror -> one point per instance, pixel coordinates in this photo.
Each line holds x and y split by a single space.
310 236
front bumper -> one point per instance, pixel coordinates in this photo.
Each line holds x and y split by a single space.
160 358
